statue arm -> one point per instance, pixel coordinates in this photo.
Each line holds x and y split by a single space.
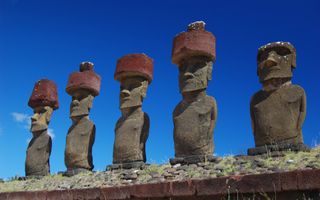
144 136
145 128
117 125
303 111
214 115
252 115
49 147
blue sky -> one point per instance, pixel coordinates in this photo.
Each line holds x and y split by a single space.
48 39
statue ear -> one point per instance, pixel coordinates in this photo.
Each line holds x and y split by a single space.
49 112
90 101
144 89
292 59
259 67
209 71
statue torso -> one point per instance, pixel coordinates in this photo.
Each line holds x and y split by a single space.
276 114
130 138
193 127
80 139
38 154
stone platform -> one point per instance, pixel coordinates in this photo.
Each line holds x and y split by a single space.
288 175
303 184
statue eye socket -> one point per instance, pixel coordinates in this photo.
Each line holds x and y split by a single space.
182 68
135 85
79 98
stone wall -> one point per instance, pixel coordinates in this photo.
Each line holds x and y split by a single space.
300 184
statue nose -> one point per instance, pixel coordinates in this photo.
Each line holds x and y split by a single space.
271 61
188 75
34 118
125 93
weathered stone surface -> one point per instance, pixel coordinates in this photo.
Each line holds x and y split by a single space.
44 94
276 149
131 136
80 139
82 86
221 167
134 64
44 100
135 72
195 42
195 116
193 159
127 165
86 79
279 109
38 155
194 123
276 60
282 186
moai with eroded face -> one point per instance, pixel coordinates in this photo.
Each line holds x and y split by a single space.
134 72
83 86
195 116
279 109
44 100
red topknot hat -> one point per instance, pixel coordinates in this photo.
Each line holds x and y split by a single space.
44 94
138 64
195 42
86 79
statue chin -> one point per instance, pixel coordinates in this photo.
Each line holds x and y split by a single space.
38 128
192 88
275 74
130 104
78 113
192 85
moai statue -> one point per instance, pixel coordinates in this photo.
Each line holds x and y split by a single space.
44 100
83 86
195 116
279 109
134 72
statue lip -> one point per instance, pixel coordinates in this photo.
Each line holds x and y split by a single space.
276 67
125 98
75 107
188 76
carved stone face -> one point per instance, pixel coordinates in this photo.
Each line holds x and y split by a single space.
194 74
275 64
132 91
41 118
81 104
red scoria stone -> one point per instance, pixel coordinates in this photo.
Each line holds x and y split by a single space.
86 79
134 65
44 94
194 42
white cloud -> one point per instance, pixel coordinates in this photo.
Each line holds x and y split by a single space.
21 118
51 133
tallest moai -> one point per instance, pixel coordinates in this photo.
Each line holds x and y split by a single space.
195 116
